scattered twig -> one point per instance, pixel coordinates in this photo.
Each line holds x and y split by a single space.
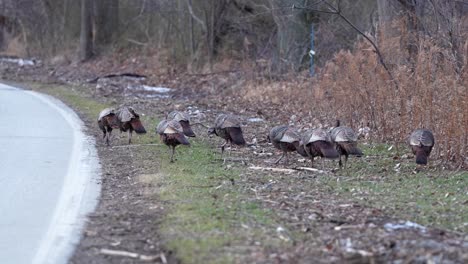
200 124
360 252
272 169
201 186
135 145
163 258
309 169
343 227
122 253
234 159
261 154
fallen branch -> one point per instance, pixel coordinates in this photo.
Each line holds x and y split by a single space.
199 123
135 145
309 169
121 253
261 154
113 75
272 169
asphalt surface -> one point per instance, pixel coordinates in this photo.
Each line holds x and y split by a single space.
48 178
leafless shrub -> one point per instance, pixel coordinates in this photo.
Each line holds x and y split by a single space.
355 88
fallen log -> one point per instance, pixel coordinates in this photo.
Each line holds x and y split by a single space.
113 75
286 170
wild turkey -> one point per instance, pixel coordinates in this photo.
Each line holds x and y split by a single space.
421 142
286 139
107 120
317 143
129 121
171 134
345 140
184 120
228 127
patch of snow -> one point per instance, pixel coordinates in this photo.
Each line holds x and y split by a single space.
155 95
405 225
156 89
20 62
146 91
255 119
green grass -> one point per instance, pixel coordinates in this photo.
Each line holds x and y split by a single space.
209 218
431 197
209 214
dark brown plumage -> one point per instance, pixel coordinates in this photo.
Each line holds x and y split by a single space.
421 142
228 127
171 134
107 121
317 143
345 140
129 121
184 120
286 139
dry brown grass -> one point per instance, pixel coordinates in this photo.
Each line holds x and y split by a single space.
355 88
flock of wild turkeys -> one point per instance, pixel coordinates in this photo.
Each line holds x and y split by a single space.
332 144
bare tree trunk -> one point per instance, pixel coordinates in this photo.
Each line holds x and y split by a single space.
107 20
411 36
212 33
292 36
86 35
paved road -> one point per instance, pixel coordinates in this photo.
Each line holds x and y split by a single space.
48 178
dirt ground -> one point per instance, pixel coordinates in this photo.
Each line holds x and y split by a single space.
327 227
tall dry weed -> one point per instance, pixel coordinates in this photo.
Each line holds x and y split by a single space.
355 88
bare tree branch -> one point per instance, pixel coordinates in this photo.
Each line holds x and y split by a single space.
336 11
189 5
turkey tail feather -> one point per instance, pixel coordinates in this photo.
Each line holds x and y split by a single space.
300 149
187 129
236 135
351 148
182 139
327 150
138 126
421 156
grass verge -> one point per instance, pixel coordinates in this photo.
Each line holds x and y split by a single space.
209 219
212 219
431 197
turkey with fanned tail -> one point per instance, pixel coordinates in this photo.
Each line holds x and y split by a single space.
286 139
107 121
421 142
129 121
171 134
228 127
318 143
184 119
345 140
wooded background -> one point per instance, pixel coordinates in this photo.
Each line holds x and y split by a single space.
197 32
393 65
